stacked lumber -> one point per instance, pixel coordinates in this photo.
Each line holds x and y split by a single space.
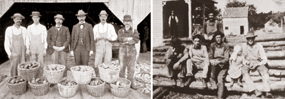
274 45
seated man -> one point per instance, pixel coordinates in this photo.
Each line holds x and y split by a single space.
173 54
197 57
255 59
219 59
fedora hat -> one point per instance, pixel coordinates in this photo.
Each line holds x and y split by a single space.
17 15
81 13
127 18
250 34
198 36
36 13
58 16
103 12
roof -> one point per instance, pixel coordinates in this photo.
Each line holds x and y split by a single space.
236 12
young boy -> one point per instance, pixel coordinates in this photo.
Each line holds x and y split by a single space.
236 62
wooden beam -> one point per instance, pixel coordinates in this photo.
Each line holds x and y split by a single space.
157 91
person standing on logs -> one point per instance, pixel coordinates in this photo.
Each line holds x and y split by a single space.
104 33
173 23
210 27
15 43
255 60
128 37
219 60
58 41
37 40
82 40
173 55
197 58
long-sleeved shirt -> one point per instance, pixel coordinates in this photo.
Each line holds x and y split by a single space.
10 31
254 53
122 33
100 28
219 51
169 19
35 30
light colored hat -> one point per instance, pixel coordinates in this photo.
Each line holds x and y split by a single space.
103 12
81 13
127 18
58 16
36 13
250 34
17 15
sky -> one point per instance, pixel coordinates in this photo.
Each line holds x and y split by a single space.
261 5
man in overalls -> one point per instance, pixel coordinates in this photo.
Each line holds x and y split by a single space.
82 40
103 34
37 34
15 41
128 37
173 22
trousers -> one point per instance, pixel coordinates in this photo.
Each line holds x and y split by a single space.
127 57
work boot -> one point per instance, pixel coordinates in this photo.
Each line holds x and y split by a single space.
187 82
213 84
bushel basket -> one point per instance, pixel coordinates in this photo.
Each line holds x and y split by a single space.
28 74
96 91
17 89
121 92
82 74
54 76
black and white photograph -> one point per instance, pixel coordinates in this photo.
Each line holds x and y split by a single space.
75 49
218 49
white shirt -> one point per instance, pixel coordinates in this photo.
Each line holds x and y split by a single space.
58 27
8 37
35 30
100 28
81 26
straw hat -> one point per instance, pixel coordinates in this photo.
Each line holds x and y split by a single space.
58 16
103 12
81 13
36 13
250 34
127 18
17 15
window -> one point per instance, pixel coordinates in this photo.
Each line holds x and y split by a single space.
226 28
241 29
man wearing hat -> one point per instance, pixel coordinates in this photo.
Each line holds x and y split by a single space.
103 34
82 40
197 57
58 41
15 42
219 60
37 44
128 37
255 60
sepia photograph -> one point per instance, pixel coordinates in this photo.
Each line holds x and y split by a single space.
218 49
75 49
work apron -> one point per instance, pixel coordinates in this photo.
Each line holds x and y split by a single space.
17 52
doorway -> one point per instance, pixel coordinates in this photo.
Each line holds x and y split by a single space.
241 30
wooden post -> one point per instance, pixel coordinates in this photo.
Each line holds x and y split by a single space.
189 2
204 14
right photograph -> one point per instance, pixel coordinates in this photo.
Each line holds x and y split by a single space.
218 49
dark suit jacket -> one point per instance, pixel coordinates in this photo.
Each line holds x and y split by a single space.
53 33
89 36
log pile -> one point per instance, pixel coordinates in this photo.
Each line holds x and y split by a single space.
274 45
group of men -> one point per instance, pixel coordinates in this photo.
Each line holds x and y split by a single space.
84 40
185 61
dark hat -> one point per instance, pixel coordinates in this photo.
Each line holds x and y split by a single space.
127 18
250 34
218 33
103 12
17 15
81 13
197 36
58 16
36 13
175 41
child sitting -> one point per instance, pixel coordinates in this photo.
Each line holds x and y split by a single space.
236 62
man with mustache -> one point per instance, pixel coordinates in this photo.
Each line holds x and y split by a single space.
210 27
58 41
128 37
82 40
37 44
15 43
103 34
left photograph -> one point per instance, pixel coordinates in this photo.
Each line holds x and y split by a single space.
78 49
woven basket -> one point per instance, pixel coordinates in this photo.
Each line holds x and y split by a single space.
82 77
67 91
54 76
28 74
121 92
39 89
108 75
17 89
96 91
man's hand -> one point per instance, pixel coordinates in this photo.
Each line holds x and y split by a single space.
61 48
176 65
27 52
91 52
55 48
71 53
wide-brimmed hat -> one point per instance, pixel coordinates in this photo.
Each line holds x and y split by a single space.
36 13
17 15
103 12
218 33
198 36
127 18
81 13
59 16
250 35
175 41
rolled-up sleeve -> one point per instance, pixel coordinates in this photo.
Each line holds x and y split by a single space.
7 42
45 36
262 55
112 32
95 29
